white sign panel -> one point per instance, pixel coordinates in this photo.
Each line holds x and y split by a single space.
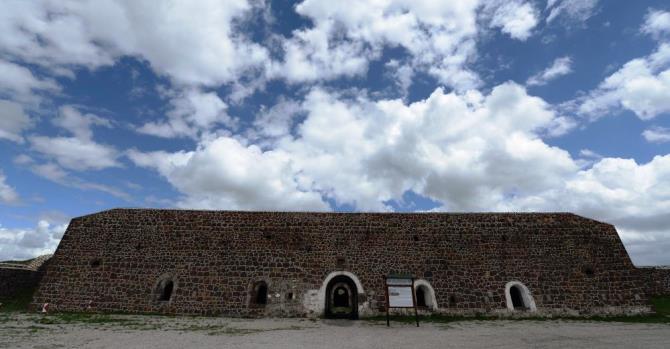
400 297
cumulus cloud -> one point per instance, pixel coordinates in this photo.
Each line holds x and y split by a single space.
642 86
202 48
7 193
657 23
560 66
192 113
364 153
571 10
346 36
13 121
224 173
515 18
657 134
26 243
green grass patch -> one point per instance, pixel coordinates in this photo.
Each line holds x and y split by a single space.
661 305
85 318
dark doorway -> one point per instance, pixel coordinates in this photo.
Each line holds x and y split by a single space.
259 294
341 298
166 292
517 298
421 296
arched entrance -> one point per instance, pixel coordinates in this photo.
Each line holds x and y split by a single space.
518 297
341 298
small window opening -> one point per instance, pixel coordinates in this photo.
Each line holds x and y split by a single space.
421 296
452 300
166 291
96 263
588 270
340 262
415 238
289 296
504 238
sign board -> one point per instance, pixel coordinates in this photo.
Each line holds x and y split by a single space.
401 297
400 294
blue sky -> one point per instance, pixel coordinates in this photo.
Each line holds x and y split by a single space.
558 105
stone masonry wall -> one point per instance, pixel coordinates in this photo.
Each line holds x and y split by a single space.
114 260
657 279
14 281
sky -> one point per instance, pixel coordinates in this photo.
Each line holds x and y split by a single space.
375 105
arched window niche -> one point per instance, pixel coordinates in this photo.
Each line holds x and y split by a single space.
518 297
425 295
165 288
259 294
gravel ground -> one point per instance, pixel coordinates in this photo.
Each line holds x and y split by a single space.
124 331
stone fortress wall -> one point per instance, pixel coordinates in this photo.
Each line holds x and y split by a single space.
219 262
16 278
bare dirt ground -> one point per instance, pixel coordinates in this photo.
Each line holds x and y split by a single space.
20 330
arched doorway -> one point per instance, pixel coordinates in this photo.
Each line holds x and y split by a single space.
341 298
518 297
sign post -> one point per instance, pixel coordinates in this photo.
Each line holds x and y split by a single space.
400 294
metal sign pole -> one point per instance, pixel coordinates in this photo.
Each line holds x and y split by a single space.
386 287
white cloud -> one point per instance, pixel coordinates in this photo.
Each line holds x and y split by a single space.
224 173
364 153
13 121
657 135
571 10
75 153
192 113
77 123
7 193
202 48
19 83
275 122
79 152
515 18
26 243
657 23
642 86
560 66
56 174
346 36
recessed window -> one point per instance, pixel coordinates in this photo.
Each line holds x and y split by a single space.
415 238
588 270
340 262
96 263
452 300
289 296
165 289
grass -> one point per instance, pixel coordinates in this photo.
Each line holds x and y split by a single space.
85 318
661 306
